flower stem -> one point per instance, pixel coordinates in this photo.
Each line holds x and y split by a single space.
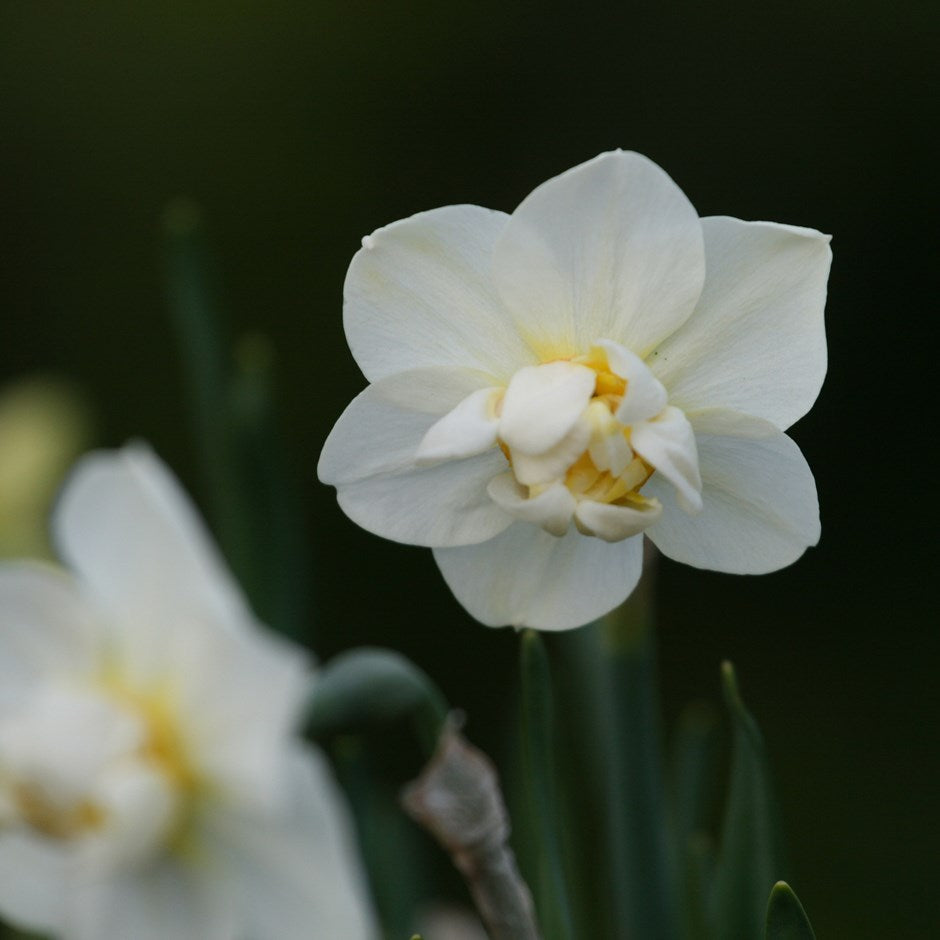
540 772
644 886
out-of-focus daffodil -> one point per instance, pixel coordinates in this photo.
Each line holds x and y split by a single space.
151 781
44 425
551 385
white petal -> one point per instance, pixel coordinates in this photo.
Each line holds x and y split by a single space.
611 248
613 523
299 876
553 464
756 342
125 526
382 428
47 628
370 458
33 879
63 735
552 509
420 294
140 805
527 578
668 443
154 901
760 508
241 697
611 452
542 405
465 431
645 395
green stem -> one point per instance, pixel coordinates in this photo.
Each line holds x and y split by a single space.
389 842
538 725
643 872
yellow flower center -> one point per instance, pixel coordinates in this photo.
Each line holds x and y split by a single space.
593 475
162 745
53 819
150 780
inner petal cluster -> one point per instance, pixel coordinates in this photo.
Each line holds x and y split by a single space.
95 765
582 436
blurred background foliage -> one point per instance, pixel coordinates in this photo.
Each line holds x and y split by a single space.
301 126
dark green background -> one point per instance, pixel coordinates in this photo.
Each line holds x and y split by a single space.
301 127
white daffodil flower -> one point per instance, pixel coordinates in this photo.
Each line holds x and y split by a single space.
151 781
550 385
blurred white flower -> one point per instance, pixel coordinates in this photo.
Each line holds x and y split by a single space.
151 782
44 426
549 385
450 923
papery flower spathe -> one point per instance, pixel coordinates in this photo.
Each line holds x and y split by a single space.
549 386
151 781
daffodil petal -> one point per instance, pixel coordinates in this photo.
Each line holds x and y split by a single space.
668 443
435 506
756 342
124 525
370 457
465 431
47 627
611 522
300 877
381 430
241 696
760 510
553 464
542 404
551 509
32 872
645 395
151 902
526 577
420 294
610 248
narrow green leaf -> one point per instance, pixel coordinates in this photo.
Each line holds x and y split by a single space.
786 919
193 297
698 868
280 553
750 853
537 730
252 502
694 792
694 770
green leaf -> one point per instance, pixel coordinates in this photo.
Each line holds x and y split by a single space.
750 852
195 310
694 767
694 792
252 503
538 745
786 919
280 552
370 685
